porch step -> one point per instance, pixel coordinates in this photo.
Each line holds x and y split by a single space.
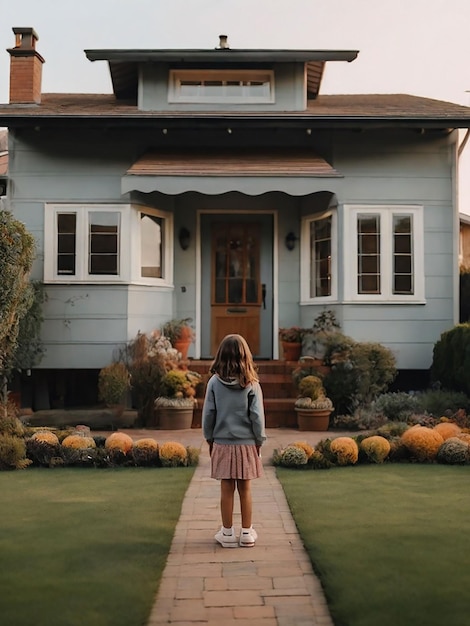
278 391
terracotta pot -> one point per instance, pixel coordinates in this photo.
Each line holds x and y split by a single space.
174 418
291 351
313 419
182 345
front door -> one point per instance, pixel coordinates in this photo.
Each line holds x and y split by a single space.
236 287
239 296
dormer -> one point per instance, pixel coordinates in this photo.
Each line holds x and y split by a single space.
221 79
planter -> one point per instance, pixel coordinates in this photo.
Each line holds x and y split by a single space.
174 418
291 351
313 419
182 345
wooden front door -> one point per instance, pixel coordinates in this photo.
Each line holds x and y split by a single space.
236 293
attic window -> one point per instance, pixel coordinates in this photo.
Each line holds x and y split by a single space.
221 86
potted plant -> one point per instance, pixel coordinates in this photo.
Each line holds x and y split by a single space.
312 406
291 341
180 334
315 340
177 400
114 381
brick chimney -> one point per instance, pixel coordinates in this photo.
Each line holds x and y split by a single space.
25 68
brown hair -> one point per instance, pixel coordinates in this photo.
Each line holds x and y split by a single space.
234 360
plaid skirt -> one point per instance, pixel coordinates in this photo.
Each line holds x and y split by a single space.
235 461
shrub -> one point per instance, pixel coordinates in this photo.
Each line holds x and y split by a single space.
438 402
173 454
13 453
293 456
364 418
145 451
46 436
451 359
454 451
193 455
119 441
11 425
392 429
306 447
397 406
376 448
114 382
345 450
366 371
447 429
43 451
78 442
422 442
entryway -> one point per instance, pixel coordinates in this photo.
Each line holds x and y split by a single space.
237 280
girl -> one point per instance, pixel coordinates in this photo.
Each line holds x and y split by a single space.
233 425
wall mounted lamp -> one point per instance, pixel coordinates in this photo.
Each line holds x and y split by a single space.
290 240
184 237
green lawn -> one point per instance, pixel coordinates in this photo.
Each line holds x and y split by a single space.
390 543
85 547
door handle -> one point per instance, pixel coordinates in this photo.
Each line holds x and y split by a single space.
263 294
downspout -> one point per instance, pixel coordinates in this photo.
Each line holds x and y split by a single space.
460 150
464 143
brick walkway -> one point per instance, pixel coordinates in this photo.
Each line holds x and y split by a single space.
272 584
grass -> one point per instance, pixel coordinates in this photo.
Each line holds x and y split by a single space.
390 542
85 546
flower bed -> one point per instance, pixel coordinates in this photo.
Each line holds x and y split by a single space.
49 447
446 442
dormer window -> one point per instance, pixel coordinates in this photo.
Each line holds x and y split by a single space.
221 86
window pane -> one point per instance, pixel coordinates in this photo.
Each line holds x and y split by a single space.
402 255
320 255
103 242
66 243
368 257
151 246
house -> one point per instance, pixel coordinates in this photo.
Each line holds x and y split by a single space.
464 241
220 184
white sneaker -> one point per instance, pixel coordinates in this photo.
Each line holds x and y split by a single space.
227 541
248 536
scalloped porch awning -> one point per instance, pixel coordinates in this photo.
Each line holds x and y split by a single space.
209 172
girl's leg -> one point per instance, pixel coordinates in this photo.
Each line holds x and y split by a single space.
227 490
246 507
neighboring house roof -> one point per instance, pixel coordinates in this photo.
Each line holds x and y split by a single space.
326 111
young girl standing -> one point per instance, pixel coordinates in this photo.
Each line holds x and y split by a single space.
233 425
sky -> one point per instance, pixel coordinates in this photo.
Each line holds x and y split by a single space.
419 47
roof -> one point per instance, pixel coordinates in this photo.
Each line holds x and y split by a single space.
327 111
233 163
124 64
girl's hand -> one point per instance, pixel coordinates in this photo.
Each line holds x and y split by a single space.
211 445
258 451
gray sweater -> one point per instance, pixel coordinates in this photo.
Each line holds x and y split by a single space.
233 414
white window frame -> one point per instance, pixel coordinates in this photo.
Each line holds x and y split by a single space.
176 76
305 258
129 245
386 213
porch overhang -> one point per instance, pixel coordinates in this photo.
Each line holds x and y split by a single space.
213 173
